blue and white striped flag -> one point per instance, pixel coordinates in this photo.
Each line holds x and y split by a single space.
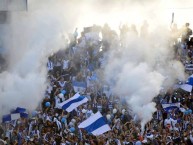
188 85
72 103
189 67
18 110
79 86
22 111
15 114
95 124
10 117
170 106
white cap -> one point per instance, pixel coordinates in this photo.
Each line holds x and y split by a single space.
108 116
114 110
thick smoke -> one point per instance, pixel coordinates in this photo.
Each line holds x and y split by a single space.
29 38
140 68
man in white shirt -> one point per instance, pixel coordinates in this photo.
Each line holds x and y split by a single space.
89 112
169 122
61 82
57 101
36 132
65 64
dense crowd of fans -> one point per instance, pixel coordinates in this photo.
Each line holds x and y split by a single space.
83 61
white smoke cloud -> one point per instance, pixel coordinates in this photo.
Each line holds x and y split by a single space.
139 69
30 37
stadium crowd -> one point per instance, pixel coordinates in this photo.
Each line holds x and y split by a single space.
83 61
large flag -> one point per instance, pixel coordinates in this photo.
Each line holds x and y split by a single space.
22 112
79 86
95 124
15 114
170 106
10 117
18 110
188 85
73 102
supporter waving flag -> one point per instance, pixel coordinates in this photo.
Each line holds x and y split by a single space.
72 103
95 124
188 85
15 114
10 117
170 106
79 86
